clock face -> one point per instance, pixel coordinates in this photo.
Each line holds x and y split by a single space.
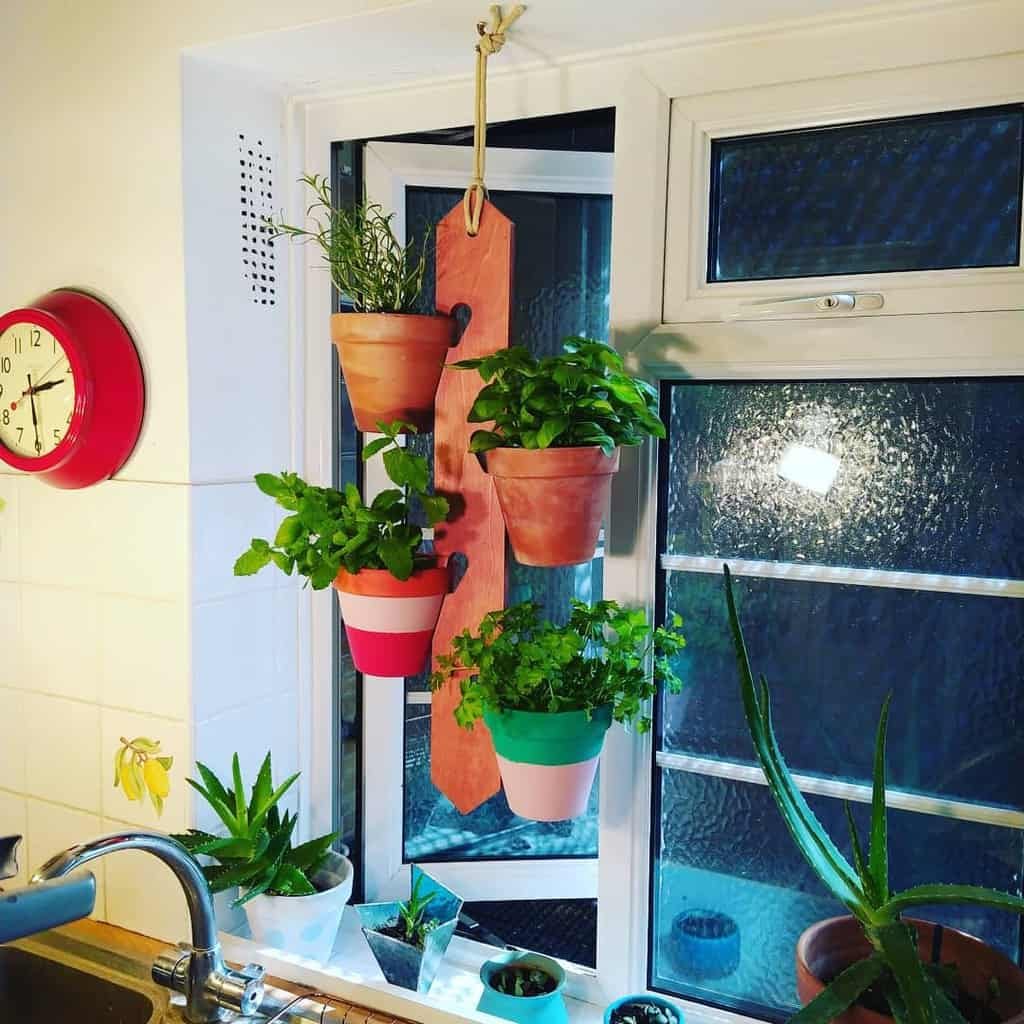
37 391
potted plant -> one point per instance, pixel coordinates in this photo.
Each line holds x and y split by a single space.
389 591
549 693
524 987
878 965
391 356
642 1009
409 939
294 897
558 423
706 943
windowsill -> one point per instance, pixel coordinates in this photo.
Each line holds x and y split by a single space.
352 974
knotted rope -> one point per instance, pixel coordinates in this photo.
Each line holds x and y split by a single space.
490 42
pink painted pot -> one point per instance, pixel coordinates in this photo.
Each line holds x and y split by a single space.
548 792
389 622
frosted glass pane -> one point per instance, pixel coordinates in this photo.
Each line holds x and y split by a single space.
723 848
920 193
924 475
953 664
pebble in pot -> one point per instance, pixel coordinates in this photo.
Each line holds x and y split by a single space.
642 1009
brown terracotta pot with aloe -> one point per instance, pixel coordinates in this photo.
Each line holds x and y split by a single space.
878 965
552 447
391 352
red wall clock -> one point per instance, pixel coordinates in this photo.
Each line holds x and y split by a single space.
71 390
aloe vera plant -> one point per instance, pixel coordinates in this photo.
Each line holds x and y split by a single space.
916 992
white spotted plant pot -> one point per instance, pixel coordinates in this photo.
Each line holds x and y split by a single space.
306 926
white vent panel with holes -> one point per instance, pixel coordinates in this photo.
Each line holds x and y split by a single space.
256 194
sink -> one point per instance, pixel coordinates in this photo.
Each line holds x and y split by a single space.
35 989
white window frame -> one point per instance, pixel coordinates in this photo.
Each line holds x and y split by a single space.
641 87
698 121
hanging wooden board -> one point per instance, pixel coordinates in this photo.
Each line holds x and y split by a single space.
472 271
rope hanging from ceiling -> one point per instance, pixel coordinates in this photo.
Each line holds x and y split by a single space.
491 39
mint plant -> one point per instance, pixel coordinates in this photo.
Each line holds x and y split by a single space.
257 854
369 266
521 662
328 529
916 993
581 398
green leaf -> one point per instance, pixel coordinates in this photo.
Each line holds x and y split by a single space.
551 430
485 441
377 445
940 893
406 469
271 485
259 799
272 800
288 532
859 863
307 856
290 881
878 848
284 562
241 811
841 993
250 562
435 508
397 557
897 944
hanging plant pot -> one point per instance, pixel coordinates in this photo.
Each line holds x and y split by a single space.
402 963
552 500
829 947
548 760
392 363
389 622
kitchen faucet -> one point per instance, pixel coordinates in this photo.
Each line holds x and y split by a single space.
212 990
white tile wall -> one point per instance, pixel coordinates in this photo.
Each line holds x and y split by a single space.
9 533
143 651
62 751
52 828
59 649
12 740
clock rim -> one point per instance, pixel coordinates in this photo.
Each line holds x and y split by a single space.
83 391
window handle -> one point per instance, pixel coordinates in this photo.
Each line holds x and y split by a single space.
831 302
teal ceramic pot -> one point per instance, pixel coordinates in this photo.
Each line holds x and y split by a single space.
674 1013
546 1009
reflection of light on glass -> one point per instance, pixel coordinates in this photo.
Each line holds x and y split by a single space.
808 467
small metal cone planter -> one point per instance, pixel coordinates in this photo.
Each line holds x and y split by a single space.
548 761
544 1009
400 963
389 623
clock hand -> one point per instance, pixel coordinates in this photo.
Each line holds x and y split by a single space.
35 421
50 370
35 391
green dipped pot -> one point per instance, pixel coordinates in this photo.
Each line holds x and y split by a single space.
548 760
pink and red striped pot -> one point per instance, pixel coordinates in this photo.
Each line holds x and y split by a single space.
390 622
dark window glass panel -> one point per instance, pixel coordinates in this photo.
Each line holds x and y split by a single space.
723 850
435 830
917 475
562 287
952 662
919 193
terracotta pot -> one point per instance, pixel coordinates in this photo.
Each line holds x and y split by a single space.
553 501
548 760
392 363
826 948
389 622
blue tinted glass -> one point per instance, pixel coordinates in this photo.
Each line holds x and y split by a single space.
922 475
435 830
562 287
921 193
724 855
831 653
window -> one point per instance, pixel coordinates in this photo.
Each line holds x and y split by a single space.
877 530
933 192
